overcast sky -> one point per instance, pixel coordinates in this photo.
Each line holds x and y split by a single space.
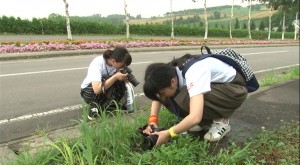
27 9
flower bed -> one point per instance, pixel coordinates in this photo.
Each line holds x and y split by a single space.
18 47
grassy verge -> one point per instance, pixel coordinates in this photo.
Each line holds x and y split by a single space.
113 139
274 78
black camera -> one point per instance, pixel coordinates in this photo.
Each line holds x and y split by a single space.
131 77
150 140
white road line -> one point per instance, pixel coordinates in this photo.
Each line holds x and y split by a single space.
284 51
51 112
41 114
76 107
58 70
38 72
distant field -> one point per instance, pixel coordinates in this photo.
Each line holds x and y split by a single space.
240 13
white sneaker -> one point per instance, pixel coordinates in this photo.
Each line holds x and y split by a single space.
93 113
217 131
195 128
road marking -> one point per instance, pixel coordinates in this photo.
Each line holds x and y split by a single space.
47 113
58 70
41 114
284 51
76 107
38 72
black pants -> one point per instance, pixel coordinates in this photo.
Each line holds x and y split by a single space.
114 93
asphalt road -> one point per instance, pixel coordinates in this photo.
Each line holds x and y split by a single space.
43 94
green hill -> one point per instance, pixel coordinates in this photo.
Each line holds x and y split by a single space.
216 15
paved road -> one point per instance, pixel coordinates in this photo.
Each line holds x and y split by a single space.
30 87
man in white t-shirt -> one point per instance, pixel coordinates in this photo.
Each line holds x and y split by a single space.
209 93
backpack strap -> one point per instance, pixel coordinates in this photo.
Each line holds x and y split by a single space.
191 61
252 84
207 50
225 59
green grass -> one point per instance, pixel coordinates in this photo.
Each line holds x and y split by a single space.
273 78
113 139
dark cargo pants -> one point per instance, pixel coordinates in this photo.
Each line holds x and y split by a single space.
220 102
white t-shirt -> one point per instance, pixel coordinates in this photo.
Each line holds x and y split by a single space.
202 73
97 69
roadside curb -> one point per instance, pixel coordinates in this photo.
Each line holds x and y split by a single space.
32 55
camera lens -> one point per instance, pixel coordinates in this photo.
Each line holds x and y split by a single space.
133 80
131 77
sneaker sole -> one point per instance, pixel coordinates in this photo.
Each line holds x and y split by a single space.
90 118
214 140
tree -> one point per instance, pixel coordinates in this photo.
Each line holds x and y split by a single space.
68 20
253 25
126 19
245 25
206 22
237 24
270 22
249 17
139 16
270 6
296 26
262 25
217 15
172 21
296 21
231 17
284 6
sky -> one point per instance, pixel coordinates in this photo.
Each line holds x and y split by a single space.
28 9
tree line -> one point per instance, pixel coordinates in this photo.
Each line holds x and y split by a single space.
256 24
52 26
55 24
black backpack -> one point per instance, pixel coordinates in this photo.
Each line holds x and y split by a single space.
229 56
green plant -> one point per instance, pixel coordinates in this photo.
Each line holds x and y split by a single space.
112 139
275 78
41 132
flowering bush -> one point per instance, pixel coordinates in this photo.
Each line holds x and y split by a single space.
18 47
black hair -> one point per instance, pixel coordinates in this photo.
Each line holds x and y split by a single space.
157 76
181 60
120 54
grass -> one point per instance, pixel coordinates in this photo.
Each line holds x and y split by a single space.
274 78
113 139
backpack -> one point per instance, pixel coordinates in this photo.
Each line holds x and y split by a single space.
229 56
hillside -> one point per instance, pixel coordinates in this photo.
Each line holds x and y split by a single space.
258 12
